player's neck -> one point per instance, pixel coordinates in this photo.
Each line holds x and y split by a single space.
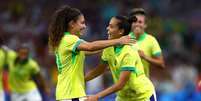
138 35
73 32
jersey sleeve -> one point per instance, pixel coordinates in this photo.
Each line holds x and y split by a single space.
11 56
72 42
155 50
128 63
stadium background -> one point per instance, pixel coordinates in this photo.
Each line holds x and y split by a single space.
175 23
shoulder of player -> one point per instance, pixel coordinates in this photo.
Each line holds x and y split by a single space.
11 53
32 61
71 37
108 49
129 49
151 37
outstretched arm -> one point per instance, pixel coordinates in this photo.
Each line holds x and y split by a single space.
124 77
95 72
98 45
155 60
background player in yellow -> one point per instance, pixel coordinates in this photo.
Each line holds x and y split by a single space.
2 62
149 49
24 76
124 62
65 29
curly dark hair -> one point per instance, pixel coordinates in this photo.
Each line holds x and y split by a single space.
59 24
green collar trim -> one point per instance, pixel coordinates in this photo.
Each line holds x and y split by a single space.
118 48
66 33
132 35
142 37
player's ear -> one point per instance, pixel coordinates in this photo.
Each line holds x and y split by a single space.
71 24
145 26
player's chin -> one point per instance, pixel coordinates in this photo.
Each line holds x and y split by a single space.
137 31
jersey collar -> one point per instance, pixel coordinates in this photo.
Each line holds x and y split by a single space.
66 33
118 48
142 37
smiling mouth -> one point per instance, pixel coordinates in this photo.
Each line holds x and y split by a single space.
137 27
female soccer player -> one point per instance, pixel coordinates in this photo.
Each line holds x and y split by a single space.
24 76
130 82
149 49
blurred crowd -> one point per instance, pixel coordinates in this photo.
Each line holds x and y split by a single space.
175 24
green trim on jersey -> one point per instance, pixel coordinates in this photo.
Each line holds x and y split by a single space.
74 53
117 49
66 33
76 45
128 69
132 35
58 62
142 37
157 54
133 69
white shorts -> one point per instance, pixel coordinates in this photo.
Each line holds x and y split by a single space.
2 98
75 99
33 95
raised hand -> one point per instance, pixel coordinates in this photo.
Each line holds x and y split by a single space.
141 53
127 40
